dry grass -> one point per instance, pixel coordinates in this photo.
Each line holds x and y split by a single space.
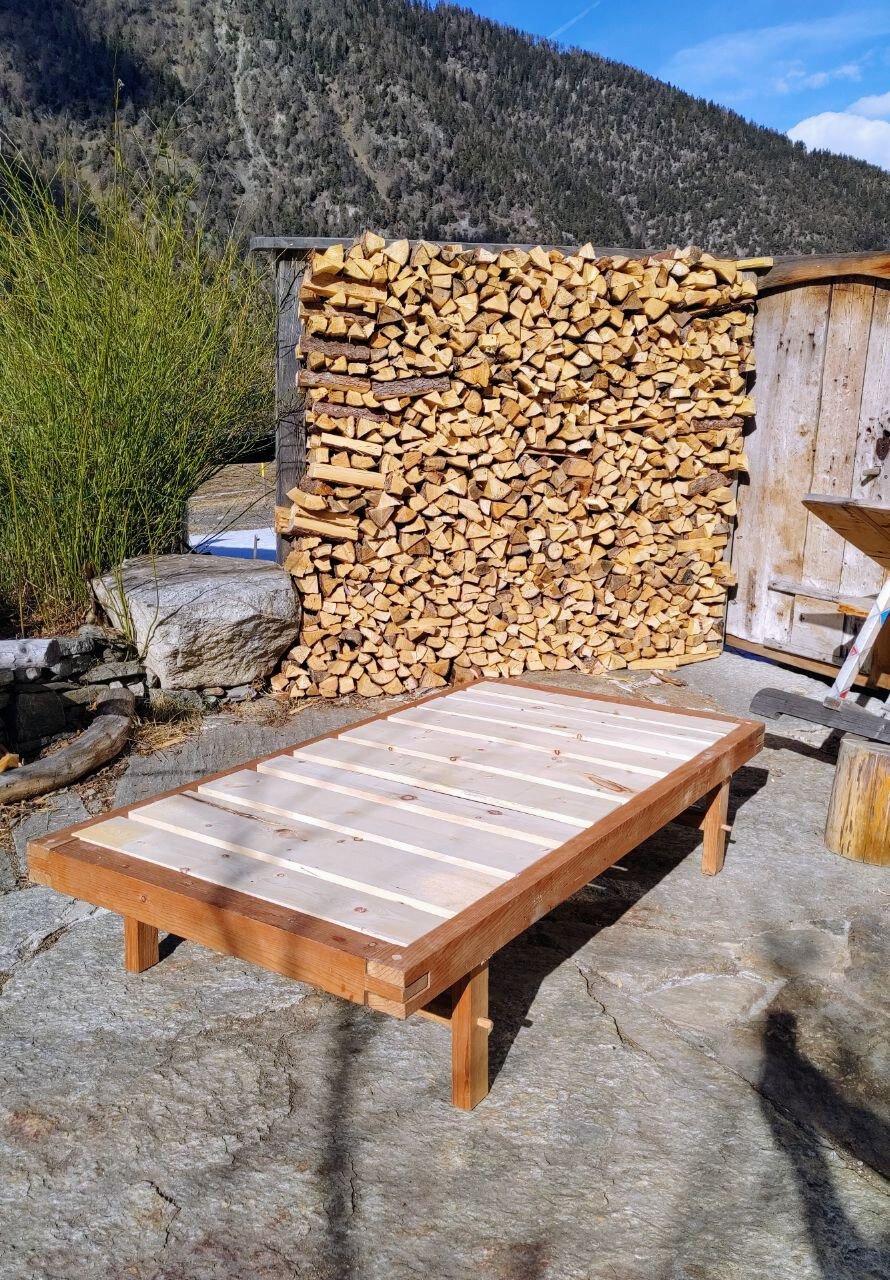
168 725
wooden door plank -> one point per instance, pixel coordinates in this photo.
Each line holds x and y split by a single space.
379 917
750 545
507 760
846 347
297 802
618 762
450 778
519 828
816 632
790 338
352 861
860 574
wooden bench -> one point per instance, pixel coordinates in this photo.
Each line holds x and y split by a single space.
386 863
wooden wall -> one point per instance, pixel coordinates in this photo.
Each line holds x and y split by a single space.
823 403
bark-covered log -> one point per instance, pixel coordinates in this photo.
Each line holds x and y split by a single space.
100 742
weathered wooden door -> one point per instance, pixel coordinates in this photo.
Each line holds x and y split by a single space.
823 417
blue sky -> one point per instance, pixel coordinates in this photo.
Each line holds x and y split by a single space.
818 71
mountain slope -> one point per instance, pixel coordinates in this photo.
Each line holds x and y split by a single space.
326 116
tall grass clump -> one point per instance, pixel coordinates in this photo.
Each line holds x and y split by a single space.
135 361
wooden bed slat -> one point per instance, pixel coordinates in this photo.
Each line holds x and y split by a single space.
379 870
560 743
295 802
486 820
444 776
651 751
575 782
675 722
380 918
603 730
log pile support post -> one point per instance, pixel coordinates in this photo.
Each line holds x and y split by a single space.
290 434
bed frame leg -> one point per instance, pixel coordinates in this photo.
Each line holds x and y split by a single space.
140 945
469 1039
715 829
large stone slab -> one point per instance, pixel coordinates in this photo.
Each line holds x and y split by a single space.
200 621
690 1072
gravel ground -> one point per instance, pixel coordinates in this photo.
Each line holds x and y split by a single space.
690 1074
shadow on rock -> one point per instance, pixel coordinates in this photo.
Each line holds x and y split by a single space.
806 1112
518 970
341 1257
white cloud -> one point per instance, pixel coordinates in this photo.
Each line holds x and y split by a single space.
745 64
846 133
876 106
797 77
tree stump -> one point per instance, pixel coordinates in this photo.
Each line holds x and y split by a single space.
858 825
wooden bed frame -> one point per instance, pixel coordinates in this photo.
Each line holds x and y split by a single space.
442 973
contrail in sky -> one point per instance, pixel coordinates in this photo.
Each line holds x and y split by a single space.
571 22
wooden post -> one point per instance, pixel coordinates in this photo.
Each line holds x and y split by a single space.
140 945
290 433
858 825
469 1039
715 829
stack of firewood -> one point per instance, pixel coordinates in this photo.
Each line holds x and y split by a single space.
517 461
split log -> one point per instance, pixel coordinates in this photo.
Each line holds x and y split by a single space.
517 461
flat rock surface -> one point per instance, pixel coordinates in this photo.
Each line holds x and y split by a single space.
690 1075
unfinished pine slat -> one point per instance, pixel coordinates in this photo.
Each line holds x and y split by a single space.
652 749
387 919
680 723
486 819
352 861
450 778
644 744
618 763
640 722
297 802
464 777
507 760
